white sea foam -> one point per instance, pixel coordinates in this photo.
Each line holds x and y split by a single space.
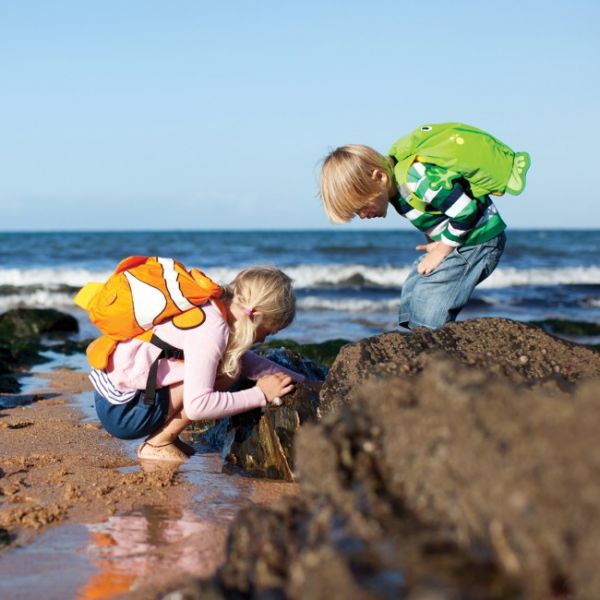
504 277
50 278
316 276
37 299
352 305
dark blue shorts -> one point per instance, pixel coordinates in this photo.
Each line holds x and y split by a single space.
134 419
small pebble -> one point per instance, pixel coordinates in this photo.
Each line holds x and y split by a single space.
523 359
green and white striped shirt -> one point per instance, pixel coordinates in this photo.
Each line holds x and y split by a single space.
445 211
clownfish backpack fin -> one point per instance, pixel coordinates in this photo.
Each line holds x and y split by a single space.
86 294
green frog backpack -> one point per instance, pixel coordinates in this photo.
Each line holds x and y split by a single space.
489 165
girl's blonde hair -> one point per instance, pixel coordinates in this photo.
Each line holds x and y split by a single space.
265 297
347 183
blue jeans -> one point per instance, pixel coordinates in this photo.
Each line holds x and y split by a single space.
434 299
134 419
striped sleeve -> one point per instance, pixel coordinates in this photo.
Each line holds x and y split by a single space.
105 387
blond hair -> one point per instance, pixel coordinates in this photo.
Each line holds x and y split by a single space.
347 184
266 293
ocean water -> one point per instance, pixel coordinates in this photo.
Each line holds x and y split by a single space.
348 282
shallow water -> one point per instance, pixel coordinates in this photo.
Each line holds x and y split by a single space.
148 545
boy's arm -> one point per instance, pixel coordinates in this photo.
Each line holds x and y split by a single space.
463 212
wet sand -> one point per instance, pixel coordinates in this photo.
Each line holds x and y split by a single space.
85 521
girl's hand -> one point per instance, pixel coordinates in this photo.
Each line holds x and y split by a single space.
436 253
275 385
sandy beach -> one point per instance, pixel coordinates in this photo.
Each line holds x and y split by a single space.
75 502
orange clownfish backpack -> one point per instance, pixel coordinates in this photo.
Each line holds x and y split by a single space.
141 293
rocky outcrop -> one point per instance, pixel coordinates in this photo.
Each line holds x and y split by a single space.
523 353
32 322
475 476
21 332
511 473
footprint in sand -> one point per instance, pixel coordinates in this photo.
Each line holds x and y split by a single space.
521 164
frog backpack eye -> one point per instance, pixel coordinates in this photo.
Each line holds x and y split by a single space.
426 128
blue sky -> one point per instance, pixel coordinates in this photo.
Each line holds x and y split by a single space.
200 115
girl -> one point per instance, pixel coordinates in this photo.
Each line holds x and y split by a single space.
258 302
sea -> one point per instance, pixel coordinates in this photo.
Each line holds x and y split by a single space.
347 282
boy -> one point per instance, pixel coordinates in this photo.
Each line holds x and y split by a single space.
439 177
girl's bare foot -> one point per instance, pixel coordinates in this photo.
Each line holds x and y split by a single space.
161 451
184 446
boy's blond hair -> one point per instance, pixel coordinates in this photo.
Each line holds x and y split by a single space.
266 293
347 183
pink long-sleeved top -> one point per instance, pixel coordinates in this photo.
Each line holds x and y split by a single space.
203 347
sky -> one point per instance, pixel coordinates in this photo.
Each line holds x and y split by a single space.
136 115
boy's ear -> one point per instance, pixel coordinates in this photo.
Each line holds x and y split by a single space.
379 175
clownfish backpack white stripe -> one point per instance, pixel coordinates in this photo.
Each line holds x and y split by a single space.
142 292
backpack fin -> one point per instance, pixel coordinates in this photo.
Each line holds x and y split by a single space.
130 262
189 319
213 289
87 293
99 351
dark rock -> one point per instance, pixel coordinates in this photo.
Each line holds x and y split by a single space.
9 384
260 442
70 347
564 327
31 322
5 538
21 345
323 353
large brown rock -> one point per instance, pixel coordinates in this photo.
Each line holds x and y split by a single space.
510 471
476 476
523 353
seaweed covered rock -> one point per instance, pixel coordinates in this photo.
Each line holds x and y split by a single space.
521 352
323 353
20 340
32 322
261 441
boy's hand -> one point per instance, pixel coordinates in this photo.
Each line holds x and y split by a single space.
275 385
436 253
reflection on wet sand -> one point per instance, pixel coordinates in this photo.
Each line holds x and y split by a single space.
155 545
152 543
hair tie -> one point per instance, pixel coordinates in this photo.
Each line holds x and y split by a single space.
249 311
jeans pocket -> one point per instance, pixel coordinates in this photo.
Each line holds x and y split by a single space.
447 261
463 254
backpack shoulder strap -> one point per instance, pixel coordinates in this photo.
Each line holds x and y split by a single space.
167 351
